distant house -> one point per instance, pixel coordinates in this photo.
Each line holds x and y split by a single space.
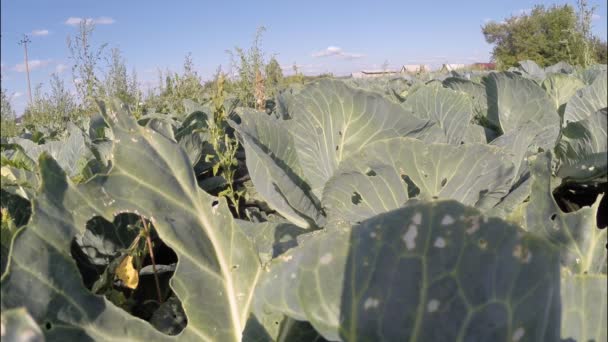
484 66
452 67
415 68
405 69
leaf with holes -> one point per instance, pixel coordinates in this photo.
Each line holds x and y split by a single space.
450 110
332 121
583 149
582 243
151 176
386 173
427 272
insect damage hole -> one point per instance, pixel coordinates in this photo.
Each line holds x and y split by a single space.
412 189
356 198
126 261
370 173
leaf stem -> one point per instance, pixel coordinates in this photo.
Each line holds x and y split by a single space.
149 243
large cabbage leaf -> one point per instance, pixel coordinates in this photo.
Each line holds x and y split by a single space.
514 101
18 326
450 110
582 149
561 88
385 174
582 243
19 181
71 153
531 69
476 91
588 100
274 168
331 121
427 272
151 176
584 302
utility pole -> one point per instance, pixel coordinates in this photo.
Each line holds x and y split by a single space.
24 42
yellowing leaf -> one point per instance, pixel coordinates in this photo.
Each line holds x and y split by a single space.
127 273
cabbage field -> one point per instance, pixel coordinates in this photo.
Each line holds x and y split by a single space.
467 206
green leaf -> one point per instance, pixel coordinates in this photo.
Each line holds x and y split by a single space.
355 193
582 243
532 69
476 91
582 148
386 173
584 304
152 177
332 121
514 101
561 88
450 110
71 154
522 143
559 68
18 326
14 155
274 169
19 182
426 272
587 101
474 134
271 239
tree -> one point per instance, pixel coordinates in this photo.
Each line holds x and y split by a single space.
248 64
274 77
52 109
8 126
174 88
601 50
117 79
545 35
85 58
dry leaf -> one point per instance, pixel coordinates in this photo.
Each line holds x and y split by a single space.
127 273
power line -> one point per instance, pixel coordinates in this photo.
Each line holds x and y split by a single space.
24 41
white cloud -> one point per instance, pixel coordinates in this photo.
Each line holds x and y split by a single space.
338 52
40 33
59 68
103 21
596 17
33 64
17 94
74 21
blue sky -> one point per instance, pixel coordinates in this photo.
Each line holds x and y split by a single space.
320 36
